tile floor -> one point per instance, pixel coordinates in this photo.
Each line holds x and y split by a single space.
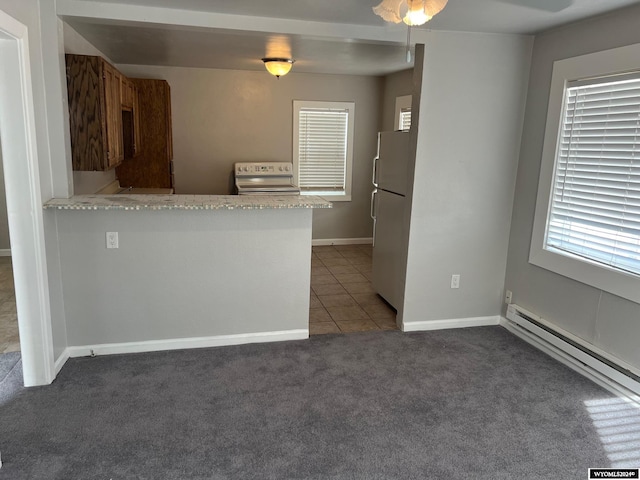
342 299
9 339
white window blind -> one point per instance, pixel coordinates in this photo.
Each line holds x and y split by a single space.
595 204
405 118
322 149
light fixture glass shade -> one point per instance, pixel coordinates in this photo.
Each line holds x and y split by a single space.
419 12
389 10
278 66
433 7
416 14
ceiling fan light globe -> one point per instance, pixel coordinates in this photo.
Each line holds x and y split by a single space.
278 66
415 18
418 12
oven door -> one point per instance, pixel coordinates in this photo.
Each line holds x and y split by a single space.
257 187
284 190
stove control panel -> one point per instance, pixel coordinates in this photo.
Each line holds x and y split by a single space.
263 169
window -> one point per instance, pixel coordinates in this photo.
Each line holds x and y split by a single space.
595 206
405 119
323 148
403 113
587 223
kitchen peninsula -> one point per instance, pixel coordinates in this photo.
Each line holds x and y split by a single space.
200 270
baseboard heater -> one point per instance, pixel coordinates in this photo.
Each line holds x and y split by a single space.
601 367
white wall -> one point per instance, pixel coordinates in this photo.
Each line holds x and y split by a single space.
395 85
27 13
5 244
52 156
224 116
184 274
602 319
470 121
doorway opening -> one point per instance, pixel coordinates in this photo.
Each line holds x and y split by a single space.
24 203
9 335
9 332
342 297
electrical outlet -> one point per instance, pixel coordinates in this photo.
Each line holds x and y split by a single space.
455 281
508 296
112 239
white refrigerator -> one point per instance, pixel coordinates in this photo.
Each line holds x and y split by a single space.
390 169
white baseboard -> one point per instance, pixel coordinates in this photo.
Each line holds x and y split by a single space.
320 242
5 252
450 323
185 343
61 360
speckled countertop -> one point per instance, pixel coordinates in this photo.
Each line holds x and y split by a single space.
185 202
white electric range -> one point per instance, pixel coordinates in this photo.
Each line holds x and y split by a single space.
265 178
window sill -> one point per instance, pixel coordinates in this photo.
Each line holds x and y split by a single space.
622 284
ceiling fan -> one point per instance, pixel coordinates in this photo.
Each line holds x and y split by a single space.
419 12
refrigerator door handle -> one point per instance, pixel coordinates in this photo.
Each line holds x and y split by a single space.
374 180
373 204
373 215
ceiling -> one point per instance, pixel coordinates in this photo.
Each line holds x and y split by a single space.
239 50
324 36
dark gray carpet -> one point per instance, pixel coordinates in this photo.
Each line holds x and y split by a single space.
471 403
8 362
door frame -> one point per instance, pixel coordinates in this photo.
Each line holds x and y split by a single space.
24 203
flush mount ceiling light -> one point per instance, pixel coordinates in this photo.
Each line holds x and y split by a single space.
278 66
418 12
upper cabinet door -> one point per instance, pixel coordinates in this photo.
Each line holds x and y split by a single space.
137 132
113 106
95 113
130 118
126 93
87 113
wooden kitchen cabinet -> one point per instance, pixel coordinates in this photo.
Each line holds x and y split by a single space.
152 167
95 113
127 92
130 118
115 146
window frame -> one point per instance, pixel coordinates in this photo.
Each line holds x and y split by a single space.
338 196
600 64
403 103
